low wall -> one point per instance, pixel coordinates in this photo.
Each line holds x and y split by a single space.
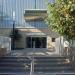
5 45
3 52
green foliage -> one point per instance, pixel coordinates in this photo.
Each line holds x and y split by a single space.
61 17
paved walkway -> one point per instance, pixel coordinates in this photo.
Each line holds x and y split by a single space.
36 52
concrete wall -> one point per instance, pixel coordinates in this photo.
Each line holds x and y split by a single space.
5 43
29 32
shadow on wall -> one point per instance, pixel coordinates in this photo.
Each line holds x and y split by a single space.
15 37
46 32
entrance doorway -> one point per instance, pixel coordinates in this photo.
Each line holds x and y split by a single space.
40 42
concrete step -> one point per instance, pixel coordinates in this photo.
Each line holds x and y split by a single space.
16 57
41 64
35 64
13 65
35 59
50 60
37 73
18 63
15 61
45 57
24 62
52 65
12 69
29 61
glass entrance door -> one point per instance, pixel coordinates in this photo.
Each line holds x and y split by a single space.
40 42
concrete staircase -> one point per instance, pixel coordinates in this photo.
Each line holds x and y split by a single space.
11 65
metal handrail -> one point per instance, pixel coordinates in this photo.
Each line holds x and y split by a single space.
32 61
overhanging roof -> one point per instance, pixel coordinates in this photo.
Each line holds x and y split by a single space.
36 34
35 14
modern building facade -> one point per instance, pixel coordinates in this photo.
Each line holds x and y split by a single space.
29 16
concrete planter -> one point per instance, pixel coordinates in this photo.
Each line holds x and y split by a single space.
3 52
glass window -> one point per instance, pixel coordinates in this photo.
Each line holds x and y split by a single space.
53 39
37 42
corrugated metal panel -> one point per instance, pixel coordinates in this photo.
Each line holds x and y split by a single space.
8 6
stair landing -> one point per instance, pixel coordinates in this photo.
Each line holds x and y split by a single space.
31 52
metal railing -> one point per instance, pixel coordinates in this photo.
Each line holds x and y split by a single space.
32 60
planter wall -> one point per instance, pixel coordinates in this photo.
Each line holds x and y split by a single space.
3 52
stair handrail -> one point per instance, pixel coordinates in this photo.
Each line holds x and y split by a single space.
32 61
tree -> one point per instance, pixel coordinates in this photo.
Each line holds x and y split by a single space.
61 17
